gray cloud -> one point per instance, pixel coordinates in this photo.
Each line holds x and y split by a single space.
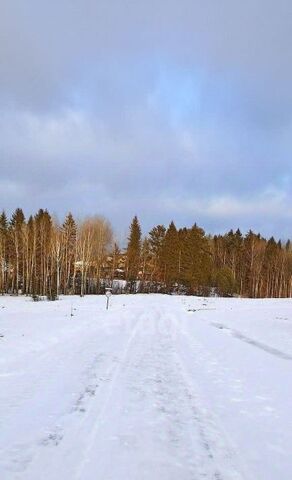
165 109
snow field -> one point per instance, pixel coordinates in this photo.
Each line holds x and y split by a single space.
158 387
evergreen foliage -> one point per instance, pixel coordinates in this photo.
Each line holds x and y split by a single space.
40 258
134 250
170 255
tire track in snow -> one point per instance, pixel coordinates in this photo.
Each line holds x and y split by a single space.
254 343
209 456
225 454
153 377
25 457
219 451
114 375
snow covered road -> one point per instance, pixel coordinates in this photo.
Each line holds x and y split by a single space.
158 387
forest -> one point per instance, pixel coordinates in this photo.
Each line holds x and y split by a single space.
41 257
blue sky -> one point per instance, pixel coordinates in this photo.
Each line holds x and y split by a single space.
168 110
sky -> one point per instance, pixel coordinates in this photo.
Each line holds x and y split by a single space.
166 109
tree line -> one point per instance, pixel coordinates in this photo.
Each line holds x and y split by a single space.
187 260
41 257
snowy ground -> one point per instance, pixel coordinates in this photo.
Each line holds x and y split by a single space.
156 388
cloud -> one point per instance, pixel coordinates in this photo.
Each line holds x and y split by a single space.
125 107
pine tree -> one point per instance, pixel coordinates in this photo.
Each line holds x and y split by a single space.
44 232
16 235
30 255
3 252
68 250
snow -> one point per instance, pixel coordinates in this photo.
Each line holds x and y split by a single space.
157 387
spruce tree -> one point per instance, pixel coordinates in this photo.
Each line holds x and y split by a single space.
171 256
134 250
145 258
195 260
156 239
